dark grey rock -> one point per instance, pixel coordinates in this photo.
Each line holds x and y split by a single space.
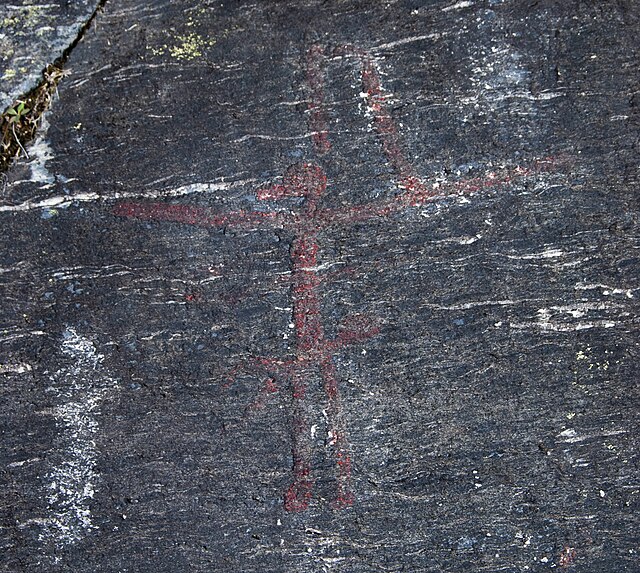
489 387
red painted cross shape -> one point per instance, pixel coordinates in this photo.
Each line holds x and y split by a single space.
314 353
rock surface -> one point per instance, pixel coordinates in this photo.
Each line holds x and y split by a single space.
327 287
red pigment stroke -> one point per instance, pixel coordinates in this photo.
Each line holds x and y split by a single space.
325 218
312 348
315 85
418 196
298 495
313 351
416 191
338 434
383 122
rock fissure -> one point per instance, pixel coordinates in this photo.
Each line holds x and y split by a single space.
19 123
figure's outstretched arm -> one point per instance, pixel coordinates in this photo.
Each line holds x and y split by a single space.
416 193
200 216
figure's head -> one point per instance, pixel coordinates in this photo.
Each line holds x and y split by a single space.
301 180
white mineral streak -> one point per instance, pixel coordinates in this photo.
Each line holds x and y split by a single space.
607 290
80 388
551 319
474 304
403 41
89 272
14 333
570 436
62 201
19 368
546 254
50 202
39 153
269 137
544 324
458 6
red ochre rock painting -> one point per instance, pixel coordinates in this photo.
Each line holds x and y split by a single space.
314 352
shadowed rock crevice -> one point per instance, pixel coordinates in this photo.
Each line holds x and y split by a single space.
20 121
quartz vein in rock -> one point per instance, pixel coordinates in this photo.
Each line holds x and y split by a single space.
80 388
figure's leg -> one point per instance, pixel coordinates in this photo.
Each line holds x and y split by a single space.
338 435
298 495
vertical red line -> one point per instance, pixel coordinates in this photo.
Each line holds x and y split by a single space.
309 333
306 304
315 84
298 495
312 347
338 434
